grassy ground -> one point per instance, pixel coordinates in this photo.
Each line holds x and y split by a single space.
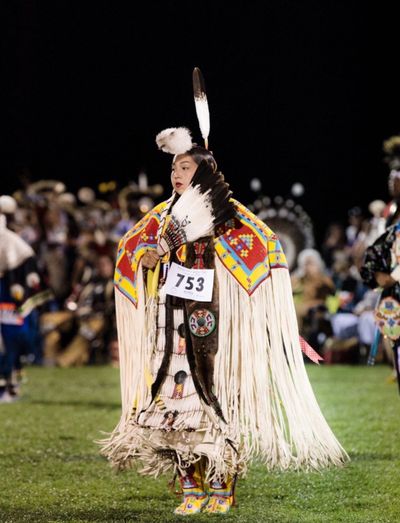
50 470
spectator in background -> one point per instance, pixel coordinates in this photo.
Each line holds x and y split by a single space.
349 287
20 294
334 241
132 216
83 332
311 288
355 225
366 323
357 235
311 284
352 325
57 249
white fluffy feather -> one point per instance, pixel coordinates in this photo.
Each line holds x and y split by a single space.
174 140
191 218
193 210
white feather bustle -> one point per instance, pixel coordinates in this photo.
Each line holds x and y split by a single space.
174 140
191 218
193 211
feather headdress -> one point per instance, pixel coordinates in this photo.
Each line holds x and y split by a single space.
200 101
178 140
206 202
175 140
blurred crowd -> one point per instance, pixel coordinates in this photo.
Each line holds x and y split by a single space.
337 312
74 240
335 309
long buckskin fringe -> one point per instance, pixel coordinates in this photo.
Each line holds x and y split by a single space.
260 382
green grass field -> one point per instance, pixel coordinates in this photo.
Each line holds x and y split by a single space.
50 469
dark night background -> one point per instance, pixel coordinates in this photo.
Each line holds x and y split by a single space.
298 91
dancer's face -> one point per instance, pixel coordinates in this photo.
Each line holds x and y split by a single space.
183 169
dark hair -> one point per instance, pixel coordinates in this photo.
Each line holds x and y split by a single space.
200 153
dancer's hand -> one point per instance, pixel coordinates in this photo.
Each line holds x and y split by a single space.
150 259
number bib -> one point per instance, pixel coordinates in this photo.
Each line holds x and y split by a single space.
190 284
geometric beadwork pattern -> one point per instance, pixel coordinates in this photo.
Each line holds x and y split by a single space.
131 249
247 248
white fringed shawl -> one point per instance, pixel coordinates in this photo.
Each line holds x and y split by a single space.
261 381
136 331
260 377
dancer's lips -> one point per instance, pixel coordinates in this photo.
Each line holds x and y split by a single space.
178 185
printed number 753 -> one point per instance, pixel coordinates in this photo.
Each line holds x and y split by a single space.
188 282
